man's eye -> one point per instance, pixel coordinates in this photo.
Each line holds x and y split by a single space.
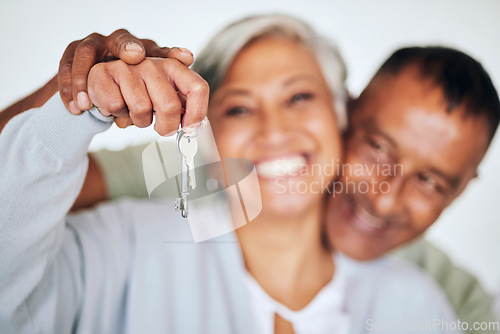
377 146
429 182
237 111
298 98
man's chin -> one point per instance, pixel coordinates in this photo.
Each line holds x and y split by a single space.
355 246
357 255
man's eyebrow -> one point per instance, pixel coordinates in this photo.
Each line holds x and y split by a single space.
451 180
371 126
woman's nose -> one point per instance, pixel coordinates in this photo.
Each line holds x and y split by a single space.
275 128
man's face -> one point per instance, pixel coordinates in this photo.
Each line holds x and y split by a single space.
407 159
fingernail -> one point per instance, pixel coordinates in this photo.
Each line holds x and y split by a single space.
83 101
133 47
73 109
180 49
194 127
186 50
170 134
190 129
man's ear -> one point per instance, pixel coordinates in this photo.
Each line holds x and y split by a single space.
461 190
351 101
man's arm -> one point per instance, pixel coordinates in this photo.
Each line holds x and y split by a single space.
94 187
35 100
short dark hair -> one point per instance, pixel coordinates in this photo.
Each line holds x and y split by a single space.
462 79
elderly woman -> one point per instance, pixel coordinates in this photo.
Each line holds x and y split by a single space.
277 93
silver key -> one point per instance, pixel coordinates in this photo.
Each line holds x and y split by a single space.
187 147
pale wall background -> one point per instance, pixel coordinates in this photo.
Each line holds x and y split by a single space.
35 33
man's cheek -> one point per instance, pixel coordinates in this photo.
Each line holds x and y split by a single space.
424 215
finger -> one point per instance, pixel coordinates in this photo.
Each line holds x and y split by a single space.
193 87
64 78
136 96
166 103
181 54
182 98
105 93
125 46
88 52
153 50
123 122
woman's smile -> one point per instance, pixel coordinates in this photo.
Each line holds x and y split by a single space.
275 109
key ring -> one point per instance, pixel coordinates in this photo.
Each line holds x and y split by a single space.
195 132
181 133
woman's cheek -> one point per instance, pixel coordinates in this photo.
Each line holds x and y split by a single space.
326 133
230 141
323 127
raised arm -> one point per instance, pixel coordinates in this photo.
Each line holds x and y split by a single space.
71 82
43 167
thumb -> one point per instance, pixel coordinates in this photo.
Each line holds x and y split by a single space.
125 46
132 53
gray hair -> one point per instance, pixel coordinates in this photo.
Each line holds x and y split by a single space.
214 60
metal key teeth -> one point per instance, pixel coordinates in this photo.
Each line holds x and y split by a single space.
179 205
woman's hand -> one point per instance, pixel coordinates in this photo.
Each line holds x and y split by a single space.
132 92
81 55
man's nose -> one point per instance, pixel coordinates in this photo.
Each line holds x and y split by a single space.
388 196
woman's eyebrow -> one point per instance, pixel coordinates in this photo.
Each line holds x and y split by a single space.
232 91
300 77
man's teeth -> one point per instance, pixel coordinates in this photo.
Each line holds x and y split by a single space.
281 167
370 220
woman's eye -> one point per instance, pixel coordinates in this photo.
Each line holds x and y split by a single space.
298 98
237 111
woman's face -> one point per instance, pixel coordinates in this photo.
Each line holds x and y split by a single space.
274 108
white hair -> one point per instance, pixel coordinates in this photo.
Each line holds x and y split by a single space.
214 60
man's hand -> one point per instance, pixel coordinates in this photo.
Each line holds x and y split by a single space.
75 65
81 55
132 92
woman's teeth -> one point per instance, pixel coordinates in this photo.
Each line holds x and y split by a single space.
288 166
